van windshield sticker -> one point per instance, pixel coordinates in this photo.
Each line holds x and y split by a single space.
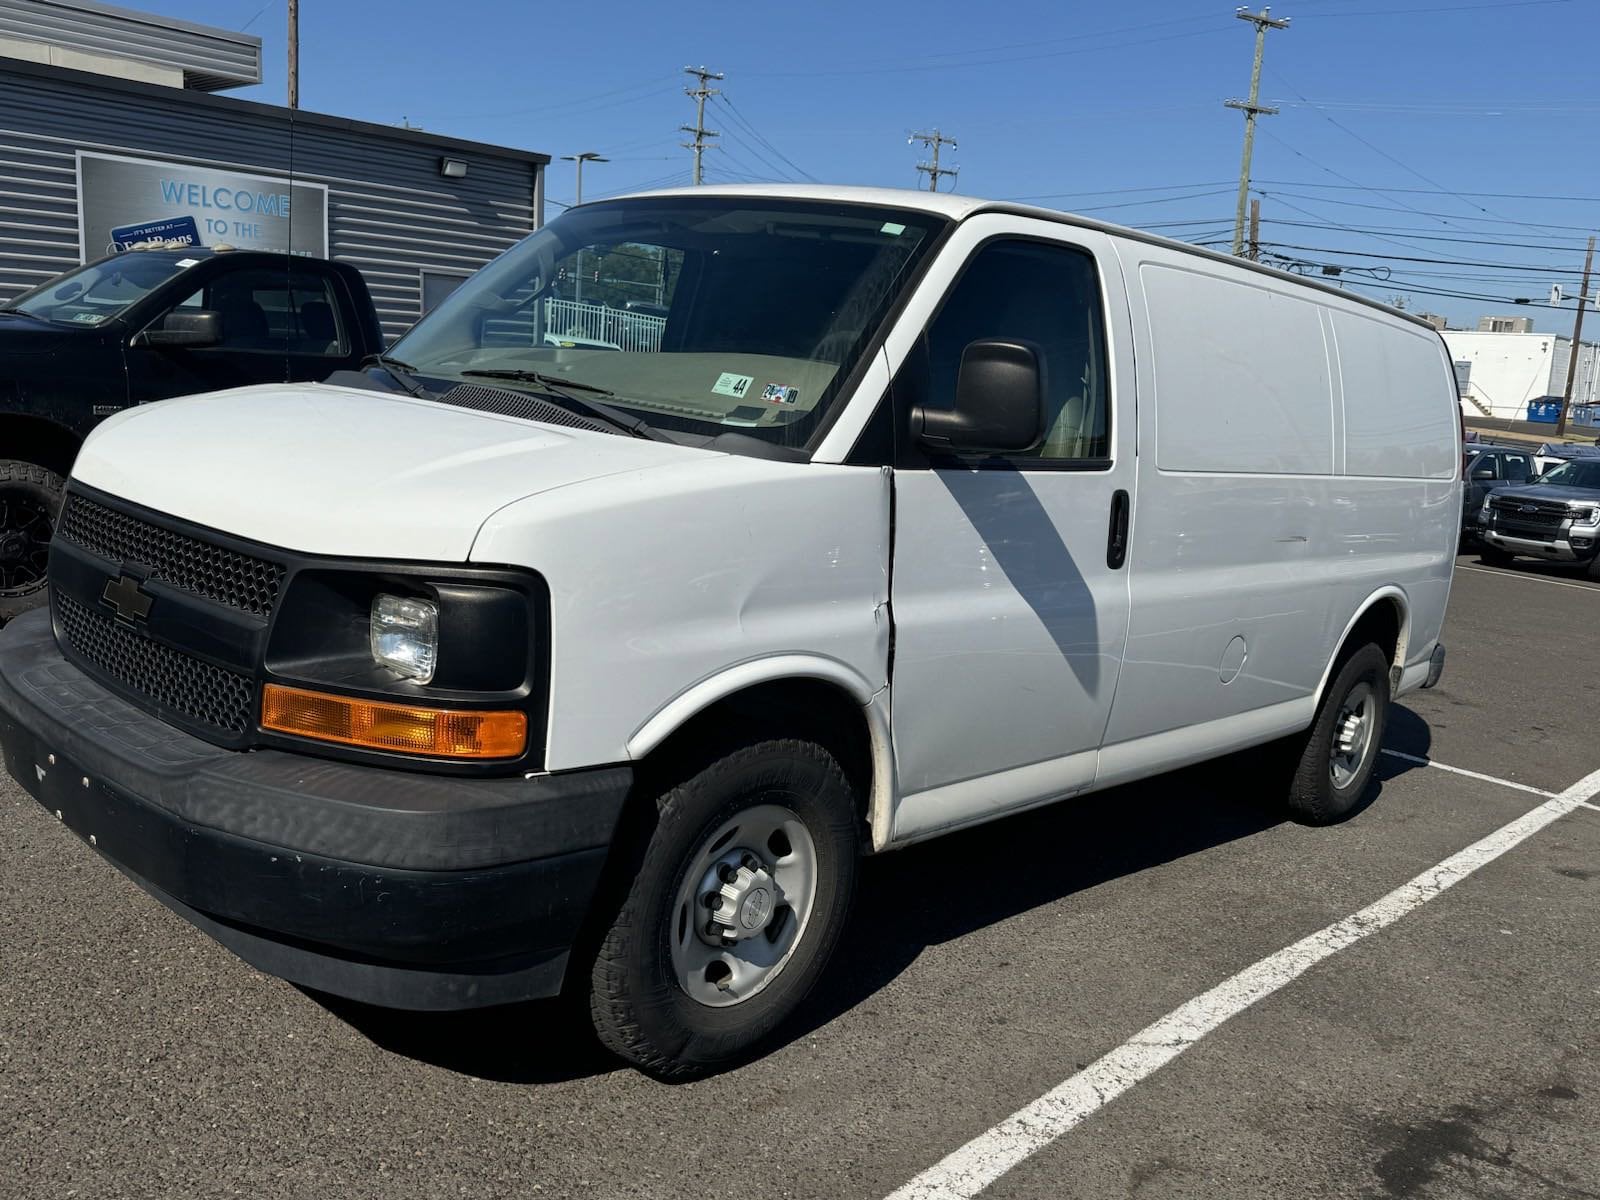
186 263
780 393
892 229
729 384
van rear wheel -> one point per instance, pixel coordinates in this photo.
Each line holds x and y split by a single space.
734 902
1341 751
30 500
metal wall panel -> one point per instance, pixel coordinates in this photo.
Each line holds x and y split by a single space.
390 213
210 59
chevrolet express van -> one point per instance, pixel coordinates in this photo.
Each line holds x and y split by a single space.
508 667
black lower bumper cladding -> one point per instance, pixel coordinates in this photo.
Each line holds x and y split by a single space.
389 887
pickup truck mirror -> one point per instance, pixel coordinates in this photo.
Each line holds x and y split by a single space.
1483 473
197 327
999 404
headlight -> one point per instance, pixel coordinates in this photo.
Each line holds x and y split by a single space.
1586 516
1484 510
405 636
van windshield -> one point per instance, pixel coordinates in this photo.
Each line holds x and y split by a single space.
707 315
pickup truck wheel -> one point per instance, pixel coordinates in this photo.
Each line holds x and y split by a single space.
1341 751
735 901
30 499
1494 558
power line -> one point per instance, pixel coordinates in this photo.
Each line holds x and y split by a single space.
737 115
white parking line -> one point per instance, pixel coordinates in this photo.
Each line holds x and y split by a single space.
1592 807
1439 766
1582 587
967 1171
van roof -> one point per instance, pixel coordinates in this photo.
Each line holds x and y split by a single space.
957 207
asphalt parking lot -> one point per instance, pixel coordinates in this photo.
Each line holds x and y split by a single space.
1453 1052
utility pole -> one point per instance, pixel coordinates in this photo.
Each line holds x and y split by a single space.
701 133
932 169
1255 230
580 159
1577 332
294 53
1263 21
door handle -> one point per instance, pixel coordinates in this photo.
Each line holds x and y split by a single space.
1117 538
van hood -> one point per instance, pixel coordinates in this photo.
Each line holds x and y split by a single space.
346 471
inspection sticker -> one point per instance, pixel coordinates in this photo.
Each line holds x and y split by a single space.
729 384
777 393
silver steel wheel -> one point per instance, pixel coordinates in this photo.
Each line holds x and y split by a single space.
1352 734
743 906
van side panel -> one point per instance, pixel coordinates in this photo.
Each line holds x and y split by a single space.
1252 548
1391 373
1240 375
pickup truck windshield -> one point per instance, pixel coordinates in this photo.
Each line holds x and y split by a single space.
1572 474
96 293
706 315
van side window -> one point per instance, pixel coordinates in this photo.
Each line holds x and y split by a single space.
1049 296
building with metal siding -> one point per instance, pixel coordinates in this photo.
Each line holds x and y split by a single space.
205 58
391 211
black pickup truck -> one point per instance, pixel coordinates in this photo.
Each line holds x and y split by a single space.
149 325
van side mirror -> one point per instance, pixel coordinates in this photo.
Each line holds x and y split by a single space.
197 327
999 404
1483 473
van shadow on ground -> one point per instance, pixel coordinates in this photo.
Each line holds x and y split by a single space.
969 880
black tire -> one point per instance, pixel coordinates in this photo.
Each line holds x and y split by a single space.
640 1010
1314 796
1494 558
1592 569
30 501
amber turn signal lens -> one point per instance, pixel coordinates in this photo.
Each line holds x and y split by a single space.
435 732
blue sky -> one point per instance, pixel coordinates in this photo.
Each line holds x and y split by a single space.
1392 112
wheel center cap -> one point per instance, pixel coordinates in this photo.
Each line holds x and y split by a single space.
756 910
14 547
740 898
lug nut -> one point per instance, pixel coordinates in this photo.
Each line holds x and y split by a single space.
711 900
727 873
751 862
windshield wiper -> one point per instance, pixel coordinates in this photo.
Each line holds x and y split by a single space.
562 389
555 381
400 372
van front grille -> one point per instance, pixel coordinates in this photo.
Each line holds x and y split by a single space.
211 695
240 581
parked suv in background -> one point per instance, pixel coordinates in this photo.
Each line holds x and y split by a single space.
1555 517
1486 468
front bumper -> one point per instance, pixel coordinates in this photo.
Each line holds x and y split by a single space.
389 887
1558 549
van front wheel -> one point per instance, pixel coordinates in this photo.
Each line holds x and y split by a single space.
734 902
1341 751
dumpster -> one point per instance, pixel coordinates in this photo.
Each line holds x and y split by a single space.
1544 412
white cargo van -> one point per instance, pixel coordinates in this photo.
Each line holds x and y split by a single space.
504 666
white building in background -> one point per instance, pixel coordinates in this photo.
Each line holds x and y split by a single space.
1504 372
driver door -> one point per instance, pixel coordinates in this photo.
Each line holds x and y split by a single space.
1010 598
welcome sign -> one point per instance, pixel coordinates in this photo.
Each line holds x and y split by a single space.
123 201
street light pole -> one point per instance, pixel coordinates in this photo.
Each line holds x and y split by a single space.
580 159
